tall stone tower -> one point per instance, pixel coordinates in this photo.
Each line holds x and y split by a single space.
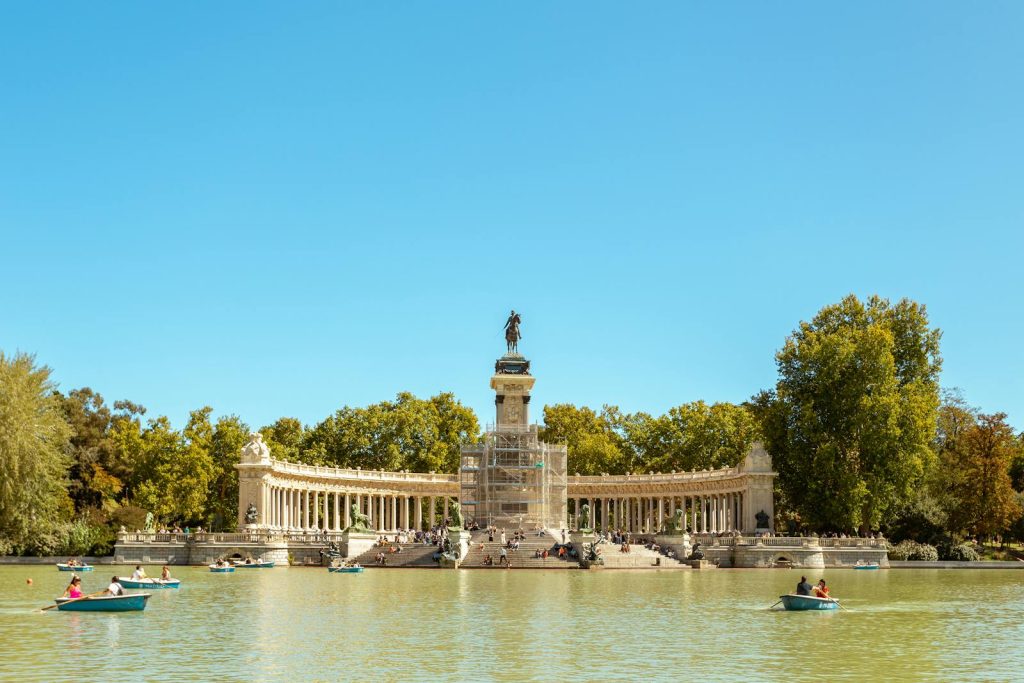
511 478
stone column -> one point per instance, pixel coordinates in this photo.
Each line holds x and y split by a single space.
661 513
430 514
382 520
371 515
419 513
314 510
346 515
394 512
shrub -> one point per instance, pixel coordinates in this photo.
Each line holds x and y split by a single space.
958 552
911 550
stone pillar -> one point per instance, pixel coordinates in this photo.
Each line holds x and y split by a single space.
419 514
370 513
661 513
346 519
430 514
382 520
394 512
314 510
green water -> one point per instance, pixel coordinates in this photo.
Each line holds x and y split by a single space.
305 624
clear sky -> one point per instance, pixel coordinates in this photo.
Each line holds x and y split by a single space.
282 208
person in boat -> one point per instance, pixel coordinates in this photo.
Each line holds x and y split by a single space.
821 590
115 587
139 574
74 589
803 588
165 574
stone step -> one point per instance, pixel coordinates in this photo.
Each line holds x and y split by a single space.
412 555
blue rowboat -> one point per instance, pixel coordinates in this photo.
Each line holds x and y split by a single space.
254 565
800 603
74 567
104 603
866 565
149 583
345 570
221 570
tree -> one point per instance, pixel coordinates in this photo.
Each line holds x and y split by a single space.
229 436
696 436
407 433
90 449
594 444
853 414
985 502
34 435
284 438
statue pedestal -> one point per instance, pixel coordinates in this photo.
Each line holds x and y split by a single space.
460 539
701 564
357 542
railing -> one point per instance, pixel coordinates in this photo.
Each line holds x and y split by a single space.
244 537
786 541
673 477
375 475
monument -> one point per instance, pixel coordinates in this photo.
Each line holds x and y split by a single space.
511 478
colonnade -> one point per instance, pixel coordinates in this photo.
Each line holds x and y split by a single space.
291 509
703 513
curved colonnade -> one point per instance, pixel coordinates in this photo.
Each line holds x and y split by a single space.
296 498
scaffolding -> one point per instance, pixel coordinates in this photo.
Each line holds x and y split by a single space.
513 479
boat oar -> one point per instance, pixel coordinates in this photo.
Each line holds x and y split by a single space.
90 595
777 603
837 603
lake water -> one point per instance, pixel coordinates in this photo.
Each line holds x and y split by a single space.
305 624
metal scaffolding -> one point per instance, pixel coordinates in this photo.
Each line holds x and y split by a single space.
513 479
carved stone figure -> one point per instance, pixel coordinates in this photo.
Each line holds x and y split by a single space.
585 517
697 553
360 522
674 524
255 450
512 335
456 517
150 524
251 515
762 519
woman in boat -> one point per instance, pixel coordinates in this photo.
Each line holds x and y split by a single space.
165 574
821 590
74 589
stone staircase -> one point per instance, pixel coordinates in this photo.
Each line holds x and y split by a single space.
519 559
412 555
637 557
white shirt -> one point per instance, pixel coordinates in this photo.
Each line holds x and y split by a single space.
115 588
138 575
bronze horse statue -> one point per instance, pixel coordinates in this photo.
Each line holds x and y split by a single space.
512 335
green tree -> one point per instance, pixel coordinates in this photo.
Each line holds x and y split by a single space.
229 436
696 436
594 443
853 415
34 434
407 433
284 438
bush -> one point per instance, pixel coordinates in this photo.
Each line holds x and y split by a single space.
958 552
911 550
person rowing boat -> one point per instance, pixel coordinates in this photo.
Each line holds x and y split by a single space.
139 574
115 588
74 589
803 588
821 590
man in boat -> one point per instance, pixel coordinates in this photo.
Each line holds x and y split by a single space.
821 590
803 588
139 574
115 588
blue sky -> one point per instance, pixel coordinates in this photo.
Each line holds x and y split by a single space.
279 209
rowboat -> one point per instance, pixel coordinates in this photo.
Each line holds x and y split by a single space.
865 565
345 570
799 603
104 603
223 569
74 567
254 565
149 583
